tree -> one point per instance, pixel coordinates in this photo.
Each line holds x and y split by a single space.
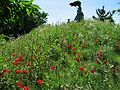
103 15
18 17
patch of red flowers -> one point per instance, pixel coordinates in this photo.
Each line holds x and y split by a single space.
99 54
19 85
19 59
40 82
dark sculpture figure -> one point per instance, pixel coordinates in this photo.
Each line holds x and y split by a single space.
75 3
102 15
80 15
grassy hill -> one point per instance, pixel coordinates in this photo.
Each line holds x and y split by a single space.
73 56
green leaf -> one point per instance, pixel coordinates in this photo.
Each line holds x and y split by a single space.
26 2
35 6
32 0
1 59
11 0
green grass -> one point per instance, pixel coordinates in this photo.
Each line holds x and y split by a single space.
73 56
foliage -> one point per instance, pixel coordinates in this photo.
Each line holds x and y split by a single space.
103 15
73 56
18 17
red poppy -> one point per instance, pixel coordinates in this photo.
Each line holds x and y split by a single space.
74 53
74 49
96 36
23 55
92 71
17 71
15 62
24 71
105 61
40 82
99 53
86 72
81 68
14 54
78 59
97 62
69 46
6 71
28 63
1 75
96 40
52 67
78 54
19 85
25 88
19 59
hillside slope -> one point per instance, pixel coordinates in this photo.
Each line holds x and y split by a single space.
81 56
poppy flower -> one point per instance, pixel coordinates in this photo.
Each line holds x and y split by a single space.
85 72
25 88
17 71
19 59
28 63
78 59
78 54
19 85
1 75
69 46
96 40
14 54
40 82
74 53
92 71
24 71
15 62
52 67
6 71
74 49
97 62
81 68
105 61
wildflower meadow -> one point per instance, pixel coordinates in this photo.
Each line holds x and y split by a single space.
72 56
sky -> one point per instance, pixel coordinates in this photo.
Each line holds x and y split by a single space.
60 11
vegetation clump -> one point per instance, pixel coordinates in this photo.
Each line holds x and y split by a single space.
19 17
